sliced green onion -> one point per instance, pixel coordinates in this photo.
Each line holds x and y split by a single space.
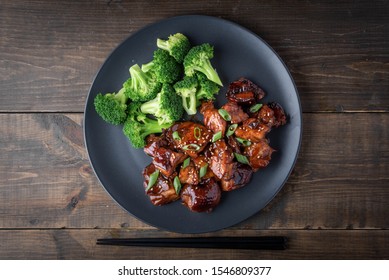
191 147
186 163
255 108
244 142
203 170
197 132
217 136
241 158
177 184
153 179
231 129
225 115
176 136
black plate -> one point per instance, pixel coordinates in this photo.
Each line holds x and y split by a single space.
238 53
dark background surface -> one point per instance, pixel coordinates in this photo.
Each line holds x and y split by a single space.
334 205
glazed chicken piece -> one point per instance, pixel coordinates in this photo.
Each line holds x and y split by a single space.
241 176
193 172
271 114
212 119
252 129
162 192
236 112
189 174
167 160
234 144
202 162
153 143
244 92
203 197
189 137
259 154
220 157
279 114
163 155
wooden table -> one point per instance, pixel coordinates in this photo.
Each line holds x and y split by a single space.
335 203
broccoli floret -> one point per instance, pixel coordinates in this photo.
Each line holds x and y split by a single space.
166 107
112 107
134 112
187 89
177 45
141 86
198 59
165 67
206 89
138 126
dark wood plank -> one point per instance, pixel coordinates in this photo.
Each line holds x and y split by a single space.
340 180
340 177
46 179
302 244
338 52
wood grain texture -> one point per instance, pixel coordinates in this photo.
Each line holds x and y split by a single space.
337 52
340 180
335 203
302 244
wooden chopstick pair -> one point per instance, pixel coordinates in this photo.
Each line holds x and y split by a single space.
248 243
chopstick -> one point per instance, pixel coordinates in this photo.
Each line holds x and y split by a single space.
248 243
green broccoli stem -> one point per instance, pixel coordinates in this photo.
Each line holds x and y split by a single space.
162 44
139 78
200 95
190 103
152 126
207 69
150 107
121 97
148 66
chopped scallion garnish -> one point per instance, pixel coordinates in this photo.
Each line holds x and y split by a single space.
244 142
217 136
225 115
177 184
186 163
203 170
191 147
241 158
197 132
255 108
231 129
176 136
153 179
